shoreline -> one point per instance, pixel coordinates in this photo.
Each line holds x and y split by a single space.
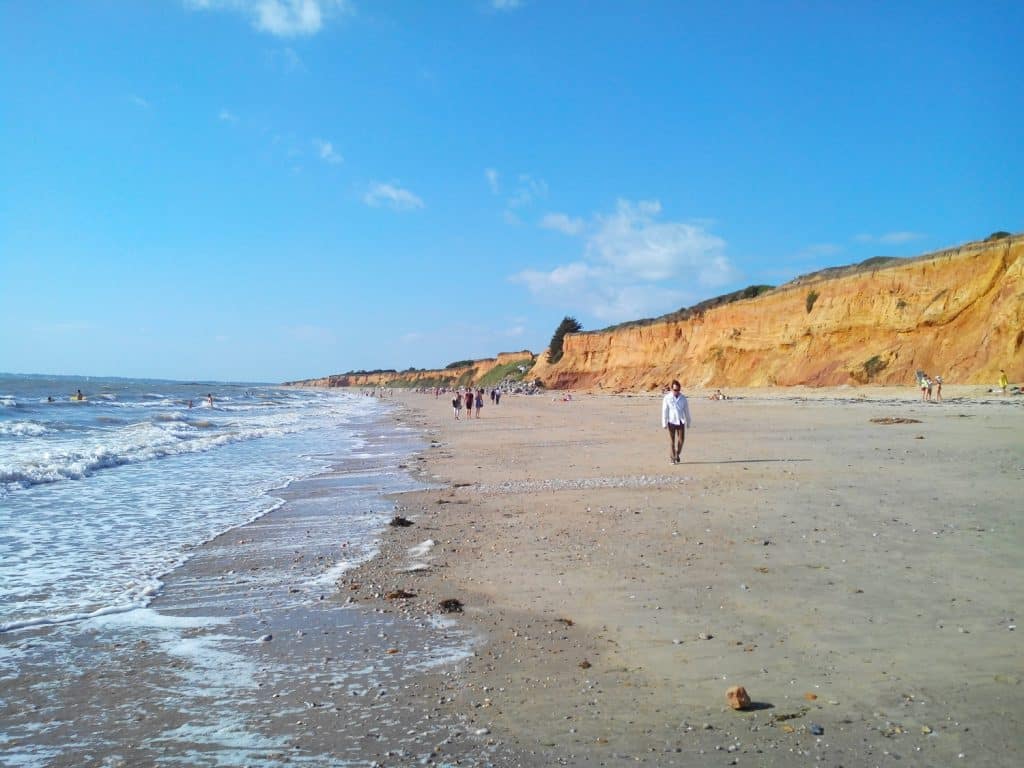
858 578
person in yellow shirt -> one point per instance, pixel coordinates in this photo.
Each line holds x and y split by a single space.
1003 381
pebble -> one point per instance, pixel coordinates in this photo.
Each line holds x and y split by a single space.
266 638
815 729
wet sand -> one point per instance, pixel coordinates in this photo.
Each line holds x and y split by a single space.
860 579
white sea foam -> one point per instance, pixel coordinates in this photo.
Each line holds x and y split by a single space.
23 428
421 549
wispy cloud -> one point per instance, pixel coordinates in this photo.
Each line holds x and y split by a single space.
227 116
901 237
282 18
822 249
327 152
562 223
528 190
493 180
392 196
890 238
632 263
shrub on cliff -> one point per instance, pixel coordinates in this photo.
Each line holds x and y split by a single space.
568 325
812 296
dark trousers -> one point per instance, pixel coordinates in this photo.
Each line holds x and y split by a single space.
676 438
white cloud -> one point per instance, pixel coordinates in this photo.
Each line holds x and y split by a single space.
633 264
562 223
631 241
392 196
493 180
227 116
327 152
283 18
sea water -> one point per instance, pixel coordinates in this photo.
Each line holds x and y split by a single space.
100 498
155 534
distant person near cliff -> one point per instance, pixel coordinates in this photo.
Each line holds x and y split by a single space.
1003 381
675 417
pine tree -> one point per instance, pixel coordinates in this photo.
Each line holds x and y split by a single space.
568 325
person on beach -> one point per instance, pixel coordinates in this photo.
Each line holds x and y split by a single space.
924 383
938 389
469 402
80 396
479 401
456 405
675 417
1003 381
497 397
209 400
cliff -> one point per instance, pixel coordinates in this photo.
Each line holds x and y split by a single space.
958 313
471 372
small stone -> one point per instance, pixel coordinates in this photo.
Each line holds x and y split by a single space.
925 730
737 697
815 729
266 638
704 636
482 731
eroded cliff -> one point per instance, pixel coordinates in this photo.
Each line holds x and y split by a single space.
958 313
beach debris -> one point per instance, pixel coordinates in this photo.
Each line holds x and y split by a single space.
266 638
567 622
811 696
815 729
737 697
392 651
705 636
451 605
399 594
585 664
414 568
400 522
894 420
925 730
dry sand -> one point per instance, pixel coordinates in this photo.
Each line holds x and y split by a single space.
859 579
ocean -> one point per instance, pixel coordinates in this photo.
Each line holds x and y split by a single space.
152 542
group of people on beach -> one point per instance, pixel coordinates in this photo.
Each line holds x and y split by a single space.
929 386
473 399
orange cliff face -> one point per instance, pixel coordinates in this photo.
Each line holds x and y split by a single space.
957 313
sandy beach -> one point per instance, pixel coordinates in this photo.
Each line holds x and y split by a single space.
860 579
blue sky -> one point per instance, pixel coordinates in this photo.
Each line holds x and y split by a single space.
266 190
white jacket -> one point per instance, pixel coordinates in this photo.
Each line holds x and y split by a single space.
675 410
